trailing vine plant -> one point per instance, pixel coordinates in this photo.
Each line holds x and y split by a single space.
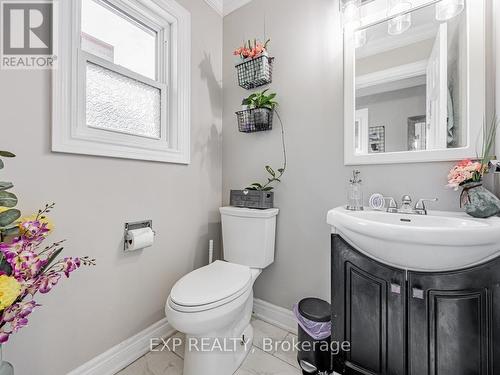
273 177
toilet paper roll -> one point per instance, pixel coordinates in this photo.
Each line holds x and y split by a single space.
139 239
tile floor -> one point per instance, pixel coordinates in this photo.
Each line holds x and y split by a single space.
258 362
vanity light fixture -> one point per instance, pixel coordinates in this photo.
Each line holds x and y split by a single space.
447 9
351 15
401 21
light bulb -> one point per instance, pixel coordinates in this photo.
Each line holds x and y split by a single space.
447 9
400 22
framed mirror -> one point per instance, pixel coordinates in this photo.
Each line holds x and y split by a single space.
414 87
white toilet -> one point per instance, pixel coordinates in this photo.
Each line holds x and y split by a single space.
213 305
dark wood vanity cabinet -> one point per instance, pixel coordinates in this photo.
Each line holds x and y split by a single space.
369 310
414 323
454 321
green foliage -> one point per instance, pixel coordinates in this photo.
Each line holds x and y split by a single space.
7 200
5 267
488 142
261 100
8 217
6 185
272 178
248 44
52 258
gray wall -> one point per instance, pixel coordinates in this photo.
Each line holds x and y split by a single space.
307 43
98 308
395 57
392 110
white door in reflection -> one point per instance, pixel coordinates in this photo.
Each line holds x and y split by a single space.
437 92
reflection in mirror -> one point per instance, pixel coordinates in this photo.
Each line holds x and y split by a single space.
411 86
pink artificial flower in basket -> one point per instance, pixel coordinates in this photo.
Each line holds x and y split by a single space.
251 51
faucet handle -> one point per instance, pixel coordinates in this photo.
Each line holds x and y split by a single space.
393 206
420 206
406 199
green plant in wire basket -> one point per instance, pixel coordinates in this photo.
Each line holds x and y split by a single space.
261 100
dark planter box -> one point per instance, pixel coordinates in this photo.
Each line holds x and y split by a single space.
254 73
255 120
252 199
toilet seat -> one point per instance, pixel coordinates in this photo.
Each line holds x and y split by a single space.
210 287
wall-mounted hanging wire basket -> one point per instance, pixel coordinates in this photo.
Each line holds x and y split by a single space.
377 139
255 72
255 120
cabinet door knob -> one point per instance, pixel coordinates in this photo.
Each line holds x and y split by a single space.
417 293
395 288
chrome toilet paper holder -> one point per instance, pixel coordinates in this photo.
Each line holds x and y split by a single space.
133 226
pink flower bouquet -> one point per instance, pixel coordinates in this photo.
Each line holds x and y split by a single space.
251 51
476 200
466 171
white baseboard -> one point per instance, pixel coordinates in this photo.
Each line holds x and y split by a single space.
123 354
275 315
128 351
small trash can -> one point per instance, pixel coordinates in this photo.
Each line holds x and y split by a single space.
314 320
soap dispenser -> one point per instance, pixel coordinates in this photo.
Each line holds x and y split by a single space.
354 193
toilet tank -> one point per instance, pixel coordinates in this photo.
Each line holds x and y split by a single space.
249 236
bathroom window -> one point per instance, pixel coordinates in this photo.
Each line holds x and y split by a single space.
123 91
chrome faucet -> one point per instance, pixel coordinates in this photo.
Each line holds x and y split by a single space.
393 206
406 208
420 208
406 205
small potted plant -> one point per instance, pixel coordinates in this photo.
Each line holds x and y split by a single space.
253 64
258 195
468 175
257 113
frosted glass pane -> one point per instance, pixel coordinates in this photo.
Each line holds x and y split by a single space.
116 102
117 38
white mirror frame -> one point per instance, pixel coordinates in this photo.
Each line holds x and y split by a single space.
476 99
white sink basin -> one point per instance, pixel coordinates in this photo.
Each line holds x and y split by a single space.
440 241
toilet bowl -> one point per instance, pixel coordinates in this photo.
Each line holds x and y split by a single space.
217 325
213 304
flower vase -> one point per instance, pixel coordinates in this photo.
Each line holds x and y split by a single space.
478 201
5 367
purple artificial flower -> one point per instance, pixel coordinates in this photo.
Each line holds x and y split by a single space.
25 263
15 317
4 337
70 265
35 230
47 282
18 323
18 311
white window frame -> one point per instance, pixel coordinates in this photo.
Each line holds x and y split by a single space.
70 133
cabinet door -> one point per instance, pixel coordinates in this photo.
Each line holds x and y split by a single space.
454 322
369 306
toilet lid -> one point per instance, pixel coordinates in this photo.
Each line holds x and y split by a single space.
212 283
